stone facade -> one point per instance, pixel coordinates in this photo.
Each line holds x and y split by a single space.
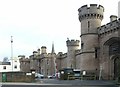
100 47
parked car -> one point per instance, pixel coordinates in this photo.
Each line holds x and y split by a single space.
50 77
38 75
56 75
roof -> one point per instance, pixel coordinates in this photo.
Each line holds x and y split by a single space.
5 63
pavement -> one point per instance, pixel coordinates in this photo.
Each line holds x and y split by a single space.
76 82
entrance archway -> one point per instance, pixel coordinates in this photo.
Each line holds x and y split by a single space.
113 56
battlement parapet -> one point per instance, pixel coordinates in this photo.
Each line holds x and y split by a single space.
109 27
94 11
43 47
61 55
24 60
21 56
64 55
72 42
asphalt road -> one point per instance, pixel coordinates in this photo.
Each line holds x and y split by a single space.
54 86
62 83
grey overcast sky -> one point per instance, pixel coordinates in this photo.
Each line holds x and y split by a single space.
36 23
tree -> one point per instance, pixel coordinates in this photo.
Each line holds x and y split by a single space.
5 59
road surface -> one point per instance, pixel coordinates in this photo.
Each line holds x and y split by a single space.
62 83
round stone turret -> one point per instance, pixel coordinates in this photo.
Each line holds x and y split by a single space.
93 11
90 18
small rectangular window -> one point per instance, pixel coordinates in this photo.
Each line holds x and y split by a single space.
47 62
96 52
15 66
88 24
47 71
4 67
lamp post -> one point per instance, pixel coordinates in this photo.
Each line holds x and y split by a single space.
12 52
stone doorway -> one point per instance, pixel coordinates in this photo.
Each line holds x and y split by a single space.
116 68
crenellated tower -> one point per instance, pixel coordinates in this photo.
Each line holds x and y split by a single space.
43 50
90 18
72 45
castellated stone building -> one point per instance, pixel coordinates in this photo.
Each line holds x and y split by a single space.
100 44
40 61
100 47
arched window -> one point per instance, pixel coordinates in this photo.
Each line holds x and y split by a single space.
114 48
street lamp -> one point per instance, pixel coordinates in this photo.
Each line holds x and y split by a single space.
12 52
